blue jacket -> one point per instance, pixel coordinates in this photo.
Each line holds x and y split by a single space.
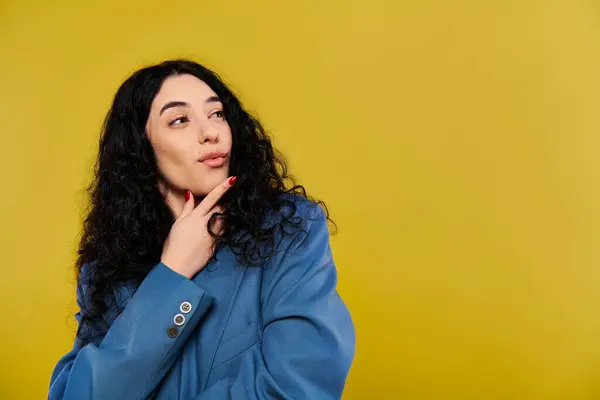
280 331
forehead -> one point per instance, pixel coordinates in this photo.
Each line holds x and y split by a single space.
186 88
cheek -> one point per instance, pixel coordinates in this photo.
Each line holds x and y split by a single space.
227 136
165 153
170 156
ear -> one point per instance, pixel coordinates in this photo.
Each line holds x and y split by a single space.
163 188
148 129
170 200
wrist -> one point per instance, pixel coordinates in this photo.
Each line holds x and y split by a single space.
174 266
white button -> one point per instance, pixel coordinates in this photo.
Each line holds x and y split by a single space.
179 319
185 307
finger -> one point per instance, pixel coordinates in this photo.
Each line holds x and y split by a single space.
188 206
216 210
211 199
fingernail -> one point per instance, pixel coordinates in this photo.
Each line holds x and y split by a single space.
188 194
232 180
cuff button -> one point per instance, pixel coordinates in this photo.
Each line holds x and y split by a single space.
185 307
172 332
179 319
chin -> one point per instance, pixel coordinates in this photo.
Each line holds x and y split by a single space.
208 184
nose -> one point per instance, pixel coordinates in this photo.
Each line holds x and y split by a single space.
208 134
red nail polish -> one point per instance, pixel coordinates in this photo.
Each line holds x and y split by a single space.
232 180
188 194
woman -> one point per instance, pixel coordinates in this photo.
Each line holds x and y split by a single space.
200 276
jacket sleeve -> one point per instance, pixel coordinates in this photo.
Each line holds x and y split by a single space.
140 345
308 338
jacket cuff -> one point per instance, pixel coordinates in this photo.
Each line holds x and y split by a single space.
162 312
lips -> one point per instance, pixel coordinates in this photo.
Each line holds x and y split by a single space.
213 159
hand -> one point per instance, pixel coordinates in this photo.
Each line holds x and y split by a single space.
189 245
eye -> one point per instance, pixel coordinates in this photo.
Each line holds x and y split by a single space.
219 114
179 121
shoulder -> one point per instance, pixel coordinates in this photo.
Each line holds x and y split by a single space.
115 295
302 250
297 210
295 220
85 277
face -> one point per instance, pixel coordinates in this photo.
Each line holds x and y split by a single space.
190 137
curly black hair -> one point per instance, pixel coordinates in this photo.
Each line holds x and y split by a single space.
128 219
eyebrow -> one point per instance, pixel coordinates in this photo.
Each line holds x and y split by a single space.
171 104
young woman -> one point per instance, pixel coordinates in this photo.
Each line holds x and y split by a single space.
201 273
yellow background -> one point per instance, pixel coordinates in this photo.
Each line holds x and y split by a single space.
456 142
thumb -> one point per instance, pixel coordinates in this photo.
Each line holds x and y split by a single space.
188 206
